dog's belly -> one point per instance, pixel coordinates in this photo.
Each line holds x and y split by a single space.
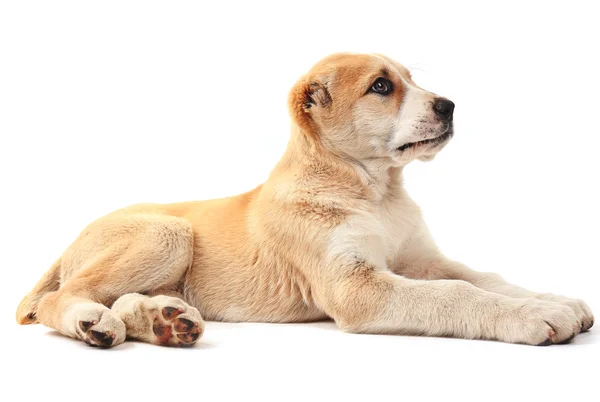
234 277
228 285
235 293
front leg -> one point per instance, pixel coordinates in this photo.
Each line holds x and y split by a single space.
422 260
362 298
449 269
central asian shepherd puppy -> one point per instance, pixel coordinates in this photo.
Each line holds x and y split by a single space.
331 234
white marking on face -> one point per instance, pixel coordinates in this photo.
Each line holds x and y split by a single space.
378 128
416 120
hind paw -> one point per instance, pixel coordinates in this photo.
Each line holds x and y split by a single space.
177 325
161 320
95 324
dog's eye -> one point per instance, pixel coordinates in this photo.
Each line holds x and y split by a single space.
382 86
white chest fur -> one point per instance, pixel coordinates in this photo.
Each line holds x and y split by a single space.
376 235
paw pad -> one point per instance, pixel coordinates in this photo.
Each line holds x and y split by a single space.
171 312
96 338
183 325
171 329
85 325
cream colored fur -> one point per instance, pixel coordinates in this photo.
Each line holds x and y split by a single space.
331 234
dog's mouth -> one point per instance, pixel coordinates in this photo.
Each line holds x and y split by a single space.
432 142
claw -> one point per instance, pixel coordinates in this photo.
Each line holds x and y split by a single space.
547 342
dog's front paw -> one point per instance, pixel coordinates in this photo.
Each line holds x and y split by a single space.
581 310
537 322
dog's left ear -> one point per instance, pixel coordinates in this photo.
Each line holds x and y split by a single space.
316 94
309 98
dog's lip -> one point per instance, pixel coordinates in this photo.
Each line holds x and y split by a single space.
431 141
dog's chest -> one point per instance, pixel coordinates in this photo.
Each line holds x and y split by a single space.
377 234
397 219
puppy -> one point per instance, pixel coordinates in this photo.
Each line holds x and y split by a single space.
331 234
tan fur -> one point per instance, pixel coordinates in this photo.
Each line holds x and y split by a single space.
331 234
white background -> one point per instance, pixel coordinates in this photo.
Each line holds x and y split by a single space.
105 104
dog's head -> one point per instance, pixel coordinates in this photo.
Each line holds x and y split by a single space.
368 107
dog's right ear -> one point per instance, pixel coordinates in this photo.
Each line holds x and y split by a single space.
308 98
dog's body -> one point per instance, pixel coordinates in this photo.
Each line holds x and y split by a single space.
331 234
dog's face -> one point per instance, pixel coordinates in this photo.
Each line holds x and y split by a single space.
367 107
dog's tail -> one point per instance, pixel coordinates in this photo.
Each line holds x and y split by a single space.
27 310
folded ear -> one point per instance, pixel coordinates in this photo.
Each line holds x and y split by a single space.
307 99
316 94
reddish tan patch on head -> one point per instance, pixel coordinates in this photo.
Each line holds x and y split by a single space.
326 95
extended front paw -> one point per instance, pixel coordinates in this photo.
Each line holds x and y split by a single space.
537 322
579 307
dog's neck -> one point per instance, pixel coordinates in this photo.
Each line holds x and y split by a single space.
379 179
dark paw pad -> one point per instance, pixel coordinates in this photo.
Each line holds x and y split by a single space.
184 325
190 337
163 332
171 312
85 325
98 338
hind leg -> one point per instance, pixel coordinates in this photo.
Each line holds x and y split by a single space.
113 257
27 310
160 320
83 319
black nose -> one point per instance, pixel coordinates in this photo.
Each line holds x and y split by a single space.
444 108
